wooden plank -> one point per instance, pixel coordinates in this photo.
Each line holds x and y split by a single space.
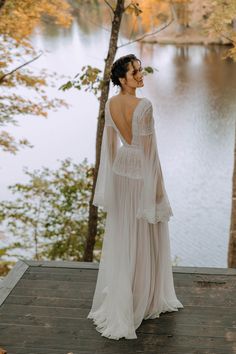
12 278
86 276
63 270
159 325
83 301
178 271
163 320
204 270
53 311
179 279
209 293
79 341
67 313
188 276
113 350
60 293
48 301
56 284
90 286
204 280
90 339
38 350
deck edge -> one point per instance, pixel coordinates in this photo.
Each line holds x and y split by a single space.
62 264
11 279
93 265
205 270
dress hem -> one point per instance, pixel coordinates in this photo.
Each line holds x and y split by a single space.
99 321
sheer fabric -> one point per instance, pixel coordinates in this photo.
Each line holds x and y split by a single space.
135 280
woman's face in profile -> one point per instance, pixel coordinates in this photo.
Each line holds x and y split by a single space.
134 75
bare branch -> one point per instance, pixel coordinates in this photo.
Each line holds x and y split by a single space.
226 37
2 78
109 5
94 23
173 11
148 34
132 30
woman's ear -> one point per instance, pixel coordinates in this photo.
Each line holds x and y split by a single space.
122 81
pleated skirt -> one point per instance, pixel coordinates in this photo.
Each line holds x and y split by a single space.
135 279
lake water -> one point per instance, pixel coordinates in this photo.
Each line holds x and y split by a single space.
193 95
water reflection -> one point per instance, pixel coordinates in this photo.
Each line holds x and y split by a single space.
93 16
193 95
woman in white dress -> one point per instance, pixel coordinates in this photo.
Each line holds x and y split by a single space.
135 279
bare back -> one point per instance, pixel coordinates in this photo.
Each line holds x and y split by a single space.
121 110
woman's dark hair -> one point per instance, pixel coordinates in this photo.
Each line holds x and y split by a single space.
120 68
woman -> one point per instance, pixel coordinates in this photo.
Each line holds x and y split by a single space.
135 279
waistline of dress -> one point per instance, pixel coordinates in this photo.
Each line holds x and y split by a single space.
128 162
129 146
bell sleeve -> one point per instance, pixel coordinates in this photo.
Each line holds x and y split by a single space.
109 149
154 203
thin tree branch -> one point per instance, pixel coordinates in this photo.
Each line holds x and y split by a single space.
147 34
172 9
126 7
220 32
109 5
226 37
94 23
2 78
132 30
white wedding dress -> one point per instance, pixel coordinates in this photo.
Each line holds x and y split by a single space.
135 279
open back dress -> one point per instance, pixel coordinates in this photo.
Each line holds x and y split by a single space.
135 279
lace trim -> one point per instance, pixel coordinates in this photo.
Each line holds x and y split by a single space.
132 174
147 130
155 214
98 201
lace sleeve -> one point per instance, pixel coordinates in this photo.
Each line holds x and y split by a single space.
104 178
154 203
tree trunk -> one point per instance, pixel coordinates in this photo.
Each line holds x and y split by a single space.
93 213
232 238
181 14
2 2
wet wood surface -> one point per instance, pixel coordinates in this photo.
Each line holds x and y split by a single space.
45 306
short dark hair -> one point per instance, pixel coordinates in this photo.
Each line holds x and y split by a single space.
120 68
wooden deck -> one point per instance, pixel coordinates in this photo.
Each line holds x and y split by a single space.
44 305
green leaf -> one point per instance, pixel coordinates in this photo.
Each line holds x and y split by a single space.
66 86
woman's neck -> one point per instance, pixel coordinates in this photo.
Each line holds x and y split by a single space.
128 92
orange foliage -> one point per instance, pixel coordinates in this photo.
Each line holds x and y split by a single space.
19 18
153 14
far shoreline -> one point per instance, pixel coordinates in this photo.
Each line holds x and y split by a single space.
185 42
189 36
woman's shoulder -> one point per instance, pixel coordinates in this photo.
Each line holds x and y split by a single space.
146 105
146 101
117 98
142 104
